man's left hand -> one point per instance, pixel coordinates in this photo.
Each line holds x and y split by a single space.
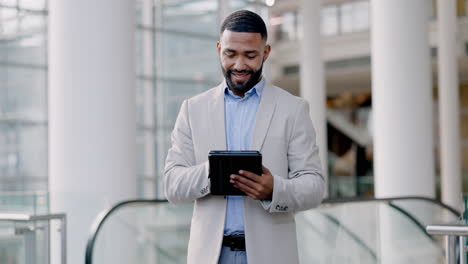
255 186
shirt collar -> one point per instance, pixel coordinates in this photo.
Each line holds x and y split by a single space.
257 89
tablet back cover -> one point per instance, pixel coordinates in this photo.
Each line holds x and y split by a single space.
225 163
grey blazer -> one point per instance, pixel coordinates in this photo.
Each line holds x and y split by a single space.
284 134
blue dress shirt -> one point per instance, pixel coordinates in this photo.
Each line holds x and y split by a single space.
240 115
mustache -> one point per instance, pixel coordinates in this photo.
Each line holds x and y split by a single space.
242 71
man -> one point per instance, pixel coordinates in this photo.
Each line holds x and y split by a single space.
245 113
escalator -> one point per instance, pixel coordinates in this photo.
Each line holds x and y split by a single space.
339 231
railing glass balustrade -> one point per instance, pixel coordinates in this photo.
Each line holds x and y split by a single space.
24 232
32 203
359 231
25 239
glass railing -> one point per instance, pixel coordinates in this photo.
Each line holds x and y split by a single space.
339 231
26 239
33 203
142 231
372 231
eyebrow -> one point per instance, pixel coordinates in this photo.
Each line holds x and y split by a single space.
247 51
250 51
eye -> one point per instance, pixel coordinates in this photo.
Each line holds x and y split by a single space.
251 57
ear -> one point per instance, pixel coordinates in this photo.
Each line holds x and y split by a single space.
218 47
266 52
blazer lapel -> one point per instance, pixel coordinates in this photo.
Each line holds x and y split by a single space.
263 118
217 139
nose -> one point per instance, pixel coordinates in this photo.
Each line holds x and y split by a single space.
240 64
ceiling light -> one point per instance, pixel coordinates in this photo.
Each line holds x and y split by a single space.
269 2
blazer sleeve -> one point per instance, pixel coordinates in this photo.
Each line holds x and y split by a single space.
183 180
305 186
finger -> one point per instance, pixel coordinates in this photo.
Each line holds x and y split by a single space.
246 181
246 189
250 175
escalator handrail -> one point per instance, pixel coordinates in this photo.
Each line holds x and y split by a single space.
101 218
391 199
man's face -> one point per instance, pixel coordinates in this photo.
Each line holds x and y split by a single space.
242 55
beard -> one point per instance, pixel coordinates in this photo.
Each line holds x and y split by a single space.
242 87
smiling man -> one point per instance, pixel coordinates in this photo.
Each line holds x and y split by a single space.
245 112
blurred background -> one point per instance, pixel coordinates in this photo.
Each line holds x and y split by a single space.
90 90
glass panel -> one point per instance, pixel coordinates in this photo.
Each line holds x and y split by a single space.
23 37
9 21
9 2
195 16
145 12
145 103
365 232
32 4
352 232
7 14
317 233
361 16
11 244
144 53
171 94
147 187
23 99
32 145
288 29
346 15
146 161
24 202
23 165
354 16
163 143
329 20
426 212
23 93
145 234
182 57
24 242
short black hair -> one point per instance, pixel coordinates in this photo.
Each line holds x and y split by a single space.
244 21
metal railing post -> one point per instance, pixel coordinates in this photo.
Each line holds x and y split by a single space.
63 235
452 232
29 235
451 250
462 250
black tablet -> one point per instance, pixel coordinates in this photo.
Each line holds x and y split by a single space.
225 163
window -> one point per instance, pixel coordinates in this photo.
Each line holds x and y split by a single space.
23 96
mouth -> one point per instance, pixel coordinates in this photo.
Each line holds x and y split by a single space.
240 77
